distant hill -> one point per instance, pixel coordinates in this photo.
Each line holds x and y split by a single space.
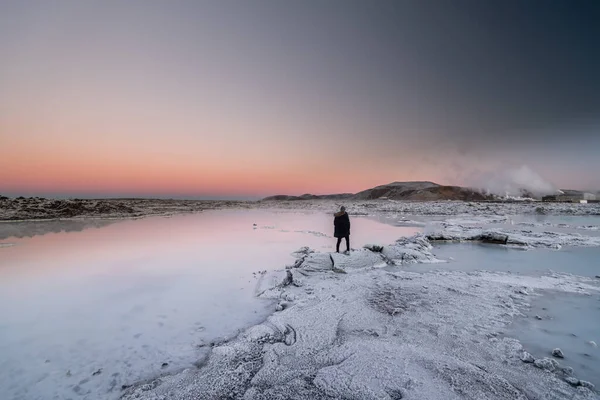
394 190
341 196
422 191
416 191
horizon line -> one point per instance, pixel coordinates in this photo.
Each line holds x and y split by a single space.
189 196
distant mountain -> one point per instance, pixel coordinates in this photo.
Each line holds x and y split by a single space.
422 191
395 190
341 196
416 191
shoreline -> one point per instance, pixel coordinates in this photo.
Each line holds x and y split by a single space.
358 327
37 209
41 209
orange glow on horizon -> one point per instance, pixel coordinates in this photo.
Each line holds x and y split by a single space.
95 163
60 174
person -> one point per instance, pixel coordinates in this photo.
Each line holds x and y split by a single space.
341 224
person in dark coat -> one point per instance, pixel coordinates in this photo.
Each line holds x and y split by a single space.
341 223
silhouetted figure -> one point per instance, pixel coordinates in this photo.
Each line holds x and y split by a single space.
341 223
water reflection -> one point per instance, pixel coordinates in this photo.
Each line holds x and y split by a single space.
33 228
131 296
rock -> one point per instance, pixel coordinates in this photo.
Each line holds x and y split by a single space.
317 262
572 381
567 371
526 357
546 363
98 372
282 306
558 353
288 280
587 384
374 248
302 252
493 237
538 317
540 210
592 343
164 365
597 276
296 264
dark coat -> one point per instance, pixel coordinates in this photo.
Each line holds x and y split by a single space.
341 222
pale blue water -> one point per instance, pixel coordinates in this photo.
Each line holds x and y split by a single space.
575 220
584 261
569 321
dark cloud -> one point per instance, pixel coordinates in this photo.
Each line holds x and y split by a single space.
466 69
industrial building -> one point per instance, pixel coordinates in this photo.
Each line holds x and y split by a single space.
572 197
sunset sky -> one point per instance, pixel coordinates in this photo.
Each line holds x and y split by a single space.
251 98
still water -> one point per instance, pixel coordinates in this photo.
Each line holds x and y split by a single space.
89 306
568 321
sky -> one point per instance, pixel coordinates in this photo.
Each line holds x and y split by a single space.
243 99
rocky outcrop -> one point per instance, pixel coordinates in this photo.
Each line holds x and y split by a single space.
558 353
546 363
376 333
526 357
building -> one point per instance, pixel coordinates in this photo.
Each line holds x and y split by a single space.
571 197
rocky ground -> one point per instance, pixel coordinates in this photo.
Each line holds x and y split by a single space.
449 231
360 326
432 208
37 208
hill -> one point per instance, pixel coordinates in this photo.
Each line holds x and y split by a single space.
416 191
341 196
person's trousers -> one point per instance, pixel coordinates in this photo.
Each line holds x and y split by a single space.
337 247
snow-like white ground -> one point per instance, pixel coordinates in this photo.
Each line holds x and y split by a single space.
361 327
373 324
439 208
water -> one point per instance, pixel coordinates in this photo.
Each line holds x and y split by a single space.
480 256
90 306
569 321
573 220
